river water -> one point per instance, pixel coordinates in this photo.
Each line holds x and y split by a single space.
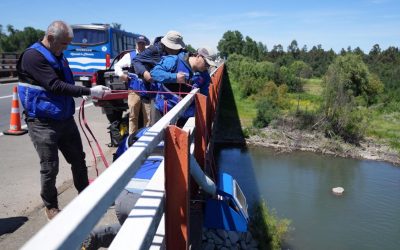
298 187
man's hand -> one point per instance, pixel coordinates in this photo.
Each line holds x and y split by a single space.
147 77
86 97
180 77
124 78
132 76
99 91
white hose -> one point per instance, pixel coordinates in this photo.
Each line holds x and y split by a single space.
201 178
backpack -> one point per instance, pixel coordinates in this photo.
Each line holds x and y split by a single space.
118 130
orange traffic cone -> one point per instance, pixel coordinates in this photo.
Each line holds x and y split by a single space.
15 120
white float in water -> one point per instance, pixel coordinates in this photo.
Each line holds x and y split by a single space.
338 190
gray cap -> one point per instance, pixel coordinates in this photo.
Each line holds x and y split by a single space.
173 40
207 56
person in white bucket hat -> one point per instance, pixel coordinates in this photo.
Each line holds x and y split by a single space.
170 44
173 40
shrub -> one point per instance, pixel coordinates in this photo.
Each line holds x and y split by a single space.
301 69
348 124
266 112
266 228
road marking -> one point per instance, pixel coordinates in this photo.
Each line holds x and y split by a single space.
6 96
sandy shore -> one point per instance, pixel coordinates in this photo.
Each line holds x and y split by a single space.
287 141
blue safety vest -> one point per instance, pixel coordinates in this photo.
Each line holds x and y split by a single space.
136 83
40 103
133 54
202 81
166 101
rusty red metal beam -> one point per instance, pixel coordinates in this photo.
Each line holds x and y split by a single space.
176 188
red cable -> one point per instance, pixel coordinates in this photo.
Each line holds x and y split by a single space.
82 111
87 138
165 107
97 143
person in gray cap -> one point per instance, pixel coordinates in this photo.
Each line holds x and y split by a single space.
208 56
136 100
182 73
171 44
202 79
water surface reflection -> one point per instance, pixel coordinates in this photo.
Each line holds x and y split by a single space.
298 186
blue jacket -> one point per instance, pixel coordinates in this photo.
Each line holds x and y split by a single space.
202 81
133 54
40 103
138 84
164 74
147 59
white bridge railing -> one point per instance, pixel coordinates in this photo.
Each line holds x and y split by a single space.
68 229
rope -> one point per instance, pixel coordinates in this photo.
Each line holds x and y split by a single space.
82 112
154 91
165 107
87 138
118 95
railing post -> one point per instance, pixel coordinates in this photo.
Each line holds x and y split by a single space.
212 97
176 188
201 134
212 104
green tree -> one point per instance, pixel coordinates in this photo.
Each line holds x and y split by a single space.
358 51
356 77
267 108
262 51
231 42
190 48
301 69
18 41
277 51
294 50
386 65
347 79
319 60
375 52
250 48
2 36
288 78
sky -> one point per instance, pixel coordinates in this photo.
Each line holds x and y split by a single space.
333 24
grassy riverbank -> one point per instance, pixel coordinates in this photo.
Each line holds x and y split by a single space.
383 126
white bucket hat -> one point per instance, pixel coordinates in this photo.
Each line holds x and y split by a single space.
173 40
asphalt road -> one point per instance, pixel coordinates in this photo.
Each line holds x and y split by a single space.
21 209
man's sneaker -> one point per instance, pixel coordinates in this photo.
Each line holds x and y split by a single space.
51 212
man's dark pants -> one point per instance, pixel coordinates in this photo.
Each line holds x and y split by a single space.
48 136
